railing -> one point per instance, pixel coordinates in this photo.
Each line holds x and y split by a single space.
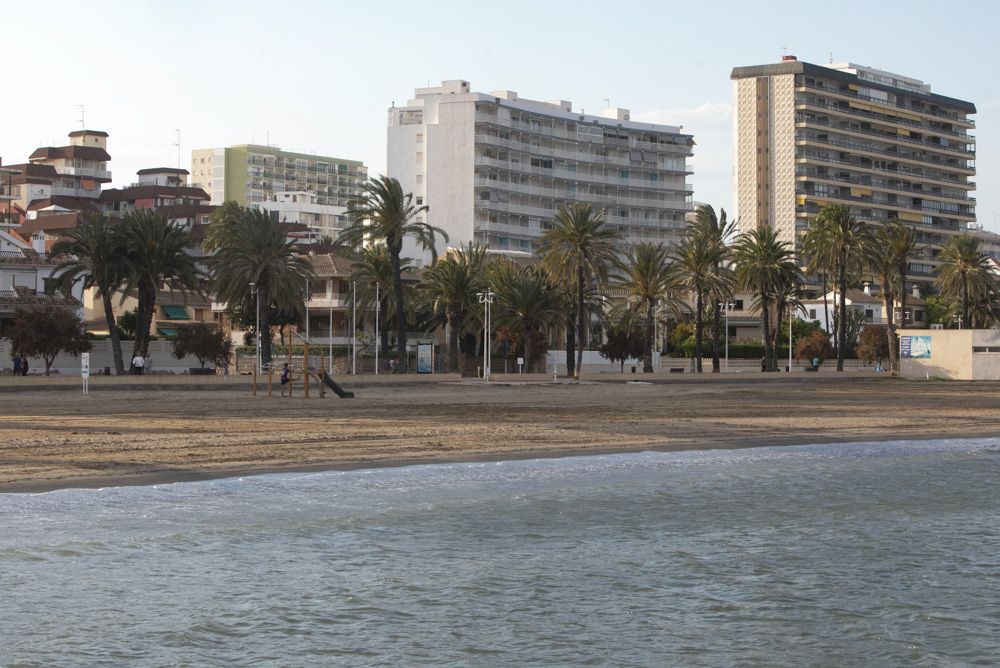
885 152
883 118
882 184
867 98
885 135
900 169
865 199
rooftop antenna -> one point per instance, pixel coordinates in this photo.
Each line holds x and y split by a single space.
830 53
178 145
784 51
607 101
83 117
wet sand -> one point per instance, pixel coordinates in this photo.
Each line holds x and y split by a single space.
162 432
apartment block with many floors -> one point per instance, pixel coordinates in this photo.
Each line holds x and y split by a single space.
881 143
494 168
250 174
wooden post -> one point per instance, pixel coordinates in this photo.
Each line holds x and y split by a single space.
305 369
253 374
270 379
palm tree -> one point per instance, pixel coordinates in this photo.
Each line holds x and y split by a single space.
258 251
718 232
578 249
696 258
647 275
157 255
526 301
95 255
820 260
965 273
372 272
450 287
894 245
844 240
383 213
765 266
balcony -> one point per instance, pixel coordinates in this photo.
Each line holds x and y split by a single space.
90 172
337 301
958 118
888 119
882 153
882 184
812 122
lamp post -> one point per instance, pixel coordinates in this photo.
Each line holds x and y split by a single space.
486 299
958 319
354 328
377 302
727 306
256 339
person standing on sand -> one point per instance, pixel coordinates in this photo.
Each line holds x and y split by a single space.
138 364
24 365
17 365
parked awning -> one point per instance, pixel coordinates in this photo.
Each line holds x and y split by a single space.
168 332
176 312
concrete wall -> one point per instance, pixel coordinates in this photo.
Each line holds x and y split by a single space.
160 353
956 354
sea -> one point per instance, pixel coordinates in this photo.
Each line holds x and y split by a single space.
858 554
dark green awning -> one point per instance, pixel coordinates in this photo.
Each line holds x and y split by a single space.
176 313
169 332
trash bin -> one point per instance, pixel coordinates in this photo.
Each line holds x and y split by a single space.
107 371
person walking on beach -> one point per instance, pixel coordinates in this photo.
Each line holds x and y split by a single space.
24 365
138 364
17 364
286 377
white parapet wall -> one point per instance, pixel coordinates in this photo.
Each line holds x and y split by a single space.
953 354
161 354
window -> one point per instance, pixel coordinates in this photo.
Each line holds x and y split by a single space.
623 173
869 314
420 156
739 305
420 178
420 138
812 314
420 201
920 316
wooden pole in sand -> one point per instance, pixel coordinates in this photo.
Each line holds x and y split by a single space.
270 378
253 387
305 369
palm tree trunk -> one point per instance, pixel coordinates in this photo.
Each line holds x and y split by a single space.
581 323
116 339
826 312
765 310
397 287
526 334
647 355
902 310
776 335
842 317
144 318
965 302
890 331
383 315
571 345
264 315
716 338
698 331
453 327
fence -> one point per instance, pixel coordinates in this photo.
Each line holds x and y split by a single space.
160 355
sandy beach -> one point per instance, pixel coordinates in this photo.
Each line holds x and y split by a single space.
163 431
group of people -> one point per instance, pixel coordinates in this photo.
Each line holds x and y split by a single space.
20 365
141 364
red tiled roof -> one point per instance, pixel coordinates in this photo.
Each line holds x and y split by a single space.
55 221
72 203
31 169
82 152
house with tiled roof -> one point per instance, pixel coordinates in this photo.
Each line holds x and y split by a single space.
870 305
26 280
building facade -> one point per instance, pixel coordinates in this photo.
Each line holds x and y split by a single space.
880 143
251 175
494 168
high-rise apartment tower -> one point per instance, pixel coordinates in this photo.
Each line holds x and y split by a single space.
494 168
881 143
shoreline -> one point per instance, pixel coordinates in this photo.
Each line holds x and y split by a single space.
168 477
127 437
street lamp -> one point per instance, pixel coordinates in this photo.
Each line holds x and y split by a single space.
486 299
253 291
727 306
377 302
329 296
354 328
958 319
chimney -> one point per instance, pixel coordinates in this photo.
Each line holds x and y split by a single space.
916 291
868 288
788 58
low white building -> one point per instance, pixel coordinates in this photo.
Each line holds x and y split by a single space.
26 281
301 207
867 304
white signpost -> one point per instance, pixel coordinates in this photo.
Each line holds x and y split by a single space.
520 365
85 370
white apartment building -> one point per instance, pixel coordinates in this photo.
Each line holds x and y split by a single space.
303 207
880 143
494 168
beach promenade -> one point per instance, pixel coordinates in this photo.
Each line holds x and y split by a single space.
160 429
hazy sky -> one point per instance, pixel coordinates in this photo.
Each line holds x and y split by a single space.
319 76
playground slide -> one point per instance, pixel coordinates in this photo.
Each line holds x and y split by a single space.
341 392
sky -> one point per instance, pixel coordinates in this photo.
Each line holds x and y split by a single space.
318 77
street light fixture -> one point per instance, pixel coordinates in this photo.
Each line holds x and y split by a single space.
727 306
958 319
486 299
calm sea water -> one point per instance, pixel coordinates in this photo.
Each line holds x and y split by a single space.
836 555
